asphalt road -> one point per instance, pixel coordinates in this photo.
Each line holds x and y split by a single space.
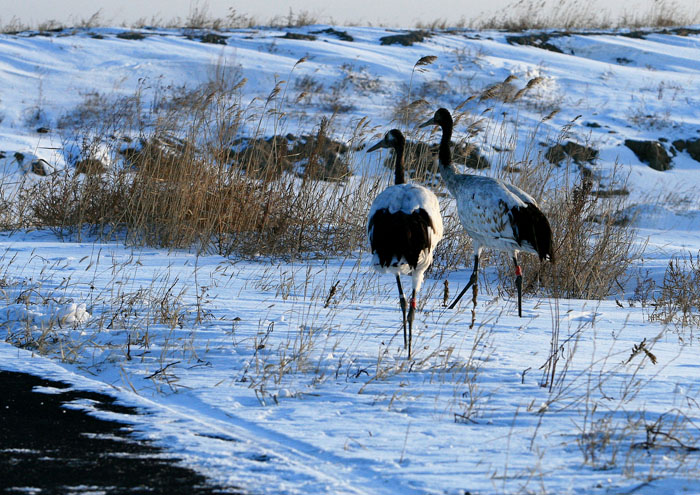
46 448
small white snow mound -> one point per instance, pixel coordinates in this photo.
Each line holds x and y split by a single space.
74 153
72 314
67 314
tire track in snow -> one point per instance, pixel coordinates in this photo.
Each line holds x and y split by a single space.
339 475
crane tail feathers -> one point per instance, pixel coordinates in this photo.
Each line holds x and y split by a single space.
398 235
532 227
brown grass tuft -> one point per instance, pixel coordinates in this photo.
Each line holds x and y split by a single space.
188 182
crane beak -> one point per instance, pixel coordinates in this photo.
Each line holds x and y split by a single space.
380 144
428 122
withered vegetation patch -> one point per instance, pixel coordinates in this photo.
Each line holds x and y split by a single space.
299 36
405 39
341 35
214 38
311 156
579 153
544 39
187 180
131 35
538 40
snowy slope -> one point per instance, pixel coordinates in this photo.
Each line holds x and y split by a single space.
252 374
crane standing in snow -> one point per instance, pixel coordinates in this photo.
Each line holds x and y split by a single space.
403 227
494 213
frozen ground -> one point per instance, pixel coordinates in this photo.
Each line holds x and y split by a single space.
259 376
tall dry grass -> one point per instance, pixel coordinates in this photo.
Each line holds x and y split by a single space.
518 15
521 15
178 175
593 243
676 299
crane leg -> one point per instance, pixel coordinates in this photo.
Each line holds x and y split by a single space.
519 284
411 313
402 302
472 281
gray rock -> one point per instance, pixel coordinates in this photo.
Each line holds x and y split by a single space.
650 152
692 146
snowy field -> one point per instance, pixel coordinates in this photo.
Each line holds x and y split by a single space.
290 376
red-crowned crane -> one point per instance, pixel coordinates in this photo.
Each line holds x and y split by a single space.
494 213
403 227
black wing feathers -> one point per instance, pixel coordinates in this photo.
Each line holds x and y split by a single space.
399 235
531 226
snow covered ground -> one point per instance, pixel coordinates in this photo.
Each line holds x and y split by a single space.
260 376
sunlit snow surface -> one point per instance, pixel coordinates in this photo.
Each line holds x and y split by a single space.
252 376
